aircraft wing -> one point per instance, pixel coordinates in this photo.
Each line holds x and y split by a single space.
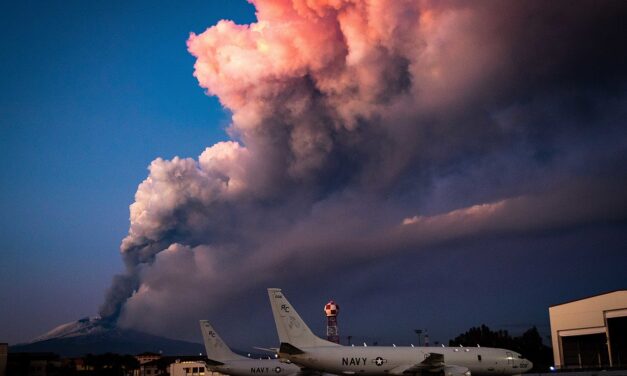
432 363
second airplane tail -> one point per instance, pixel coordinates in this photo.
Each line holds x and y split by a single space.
215 347
292 330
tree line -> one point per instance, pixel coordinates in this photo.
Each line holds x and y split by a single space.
529 344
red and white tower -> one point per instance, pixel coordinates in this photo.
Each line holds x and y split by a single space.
331 310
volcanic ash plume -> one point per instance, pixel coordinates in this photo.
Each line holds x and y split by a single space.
364 128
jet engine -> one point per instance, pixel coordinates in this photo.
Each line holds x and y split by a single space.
456 371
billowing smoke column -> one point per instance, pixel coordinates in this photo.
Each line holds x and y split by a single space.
331 310
351 117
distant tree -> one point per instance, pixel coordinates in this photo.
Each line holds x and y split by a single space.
529 344
482 335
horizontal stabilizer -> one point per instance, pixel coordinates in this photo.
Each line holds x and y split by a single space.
289 349
214 363
266 349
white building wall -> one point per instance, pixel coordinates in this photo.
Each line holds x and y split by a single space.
191 369
585 316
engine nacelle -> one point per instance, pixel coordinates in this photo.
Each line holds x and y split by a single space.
456 371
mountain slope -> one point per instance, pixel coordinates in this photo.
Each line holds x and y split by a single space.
92 335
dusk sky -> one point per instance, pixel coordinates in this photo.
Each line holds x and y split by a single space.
433 165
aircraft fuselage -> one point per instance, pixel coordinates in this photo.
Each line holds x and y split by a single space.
379 360
253 367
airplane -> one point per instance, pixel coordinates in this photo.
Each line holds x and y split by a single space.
299 345
222 359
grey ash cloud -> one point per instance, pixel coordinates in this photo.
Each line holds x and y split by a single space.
370 131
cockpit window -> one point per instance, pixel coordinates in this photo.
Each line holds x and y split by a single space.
520 357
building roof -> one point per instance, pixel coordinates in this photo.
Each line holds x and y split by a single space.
588 297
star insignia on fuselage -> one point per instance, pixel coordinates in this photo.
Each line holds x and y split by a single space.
277 370
379 361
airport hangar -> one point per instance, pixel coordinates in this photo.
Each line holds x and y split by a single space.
590 332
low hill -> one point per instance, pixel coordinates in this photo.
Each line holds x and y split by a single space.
92 335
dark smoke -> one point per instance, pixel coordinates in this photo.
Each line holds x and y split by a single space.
363 129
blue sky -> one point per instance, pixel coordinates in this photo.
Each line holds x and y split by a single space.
91 93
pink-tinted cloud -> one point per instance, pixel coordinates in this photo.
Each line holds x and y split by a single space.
352 118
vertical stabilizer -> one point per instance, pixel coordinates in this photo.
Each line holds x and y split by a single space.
214 345
290 327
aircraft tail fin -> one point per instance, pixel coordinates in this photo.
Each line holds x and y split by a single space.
215 347
292 330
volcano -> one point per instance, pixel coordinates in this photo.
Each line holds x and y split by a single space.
97 336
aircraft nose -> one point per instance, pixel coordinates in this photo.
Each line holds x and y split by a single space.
530 366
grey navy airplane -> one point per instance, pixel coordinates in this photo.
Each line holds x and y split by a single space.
299 345
222 359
